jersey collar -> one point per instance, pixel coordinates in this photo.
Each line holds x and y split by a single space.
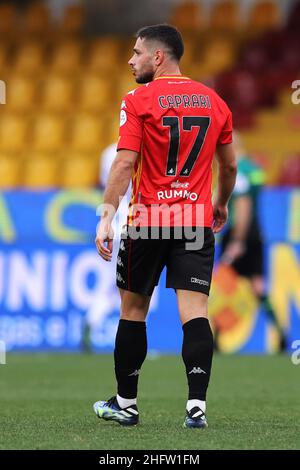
181 77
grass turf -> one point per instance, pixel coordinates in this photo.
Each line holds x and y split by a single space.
46 403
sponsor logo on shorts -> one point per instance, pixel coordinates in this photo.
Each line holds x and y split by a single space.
195 280
120 262
119 278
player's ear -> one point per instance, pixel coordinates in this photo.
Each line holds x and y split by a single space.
158 57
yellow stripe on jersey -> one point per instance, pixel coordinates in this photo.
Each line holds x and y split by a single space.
172 76
135 180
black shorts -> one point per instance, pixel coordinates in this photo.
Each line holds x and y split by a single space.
141 261
251 262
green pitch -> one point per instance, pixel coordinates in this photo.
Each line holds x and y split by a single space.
46 403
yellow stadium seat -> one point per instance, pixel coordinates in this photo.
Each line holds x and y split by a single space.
86 134
57 93
48 133
104 55
94 93
188 57
21 93
40 172
36 18
8 18
112 129
9 172
29 58
226 15
13 133
67 57
188 16
73 20
218 55
124 83
3 56
79 171
264 15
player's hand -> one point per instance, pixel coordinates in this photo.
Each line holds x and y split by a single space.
220 217
105 234
234 250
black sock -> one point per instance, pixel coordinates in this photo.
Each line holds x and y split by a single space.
130 352
197 352
267 306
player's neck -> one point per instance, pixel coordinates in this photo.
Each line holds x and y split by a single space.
170 69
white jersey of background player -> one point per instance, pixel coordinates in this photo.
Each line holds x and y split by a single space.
107 298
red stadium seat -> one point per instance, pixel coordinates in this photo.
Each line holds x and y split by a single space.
290 172
294 17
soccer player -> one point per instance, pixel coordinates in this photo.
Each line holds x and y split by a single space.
242 243
170 129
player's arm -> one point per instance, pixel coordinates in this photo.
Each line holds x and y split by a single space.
117 185
118 180
227 169
242 217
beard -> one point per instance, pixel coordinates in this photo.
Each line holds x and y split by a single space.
145 77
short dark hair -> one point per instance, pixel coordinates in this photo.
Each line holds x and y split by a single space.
167 34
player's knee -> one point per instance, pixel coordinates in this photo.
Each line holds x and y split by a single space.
187 315
133 314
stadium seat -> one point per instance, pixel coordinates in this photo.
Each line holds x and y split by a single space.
48 133
21 93
13 133
36 18
86 134
8 18
264 15
29 58
94 93
3 57
290 172
79 171
219 55
103 55
57 94
225 15
9 172
294 17
40 172
124 83
66 57
73 19
188 16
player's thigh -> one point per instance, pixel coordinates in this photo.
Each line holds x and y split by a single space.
140 262
189 267
191 305
134 306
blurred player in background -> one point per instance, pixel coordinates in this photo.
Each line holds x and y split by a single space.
242 244
170 129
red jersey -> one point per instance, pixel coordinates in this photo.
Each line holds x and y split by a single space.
174 123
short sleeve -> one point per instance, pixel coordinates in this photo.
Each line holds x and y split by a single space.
131 127
226 132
